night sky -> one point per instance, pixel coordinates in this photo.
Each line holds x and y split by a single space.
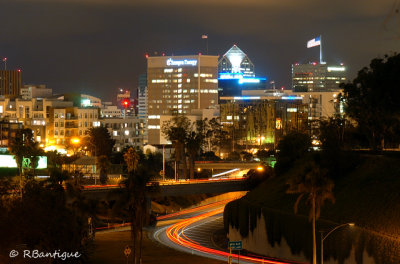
97 46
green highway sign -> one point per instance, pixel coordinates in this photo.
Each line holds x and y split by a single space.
236 245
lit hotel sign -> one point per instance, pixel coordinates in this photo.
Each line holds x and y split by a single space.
342 69
171 62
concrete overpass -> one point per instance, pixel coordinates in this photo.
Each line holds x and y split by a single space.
174 188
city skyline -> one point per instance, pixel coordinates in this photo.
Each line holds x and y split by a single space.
96 47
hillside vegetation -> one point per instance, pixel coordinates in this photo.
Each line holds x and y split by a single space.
367 193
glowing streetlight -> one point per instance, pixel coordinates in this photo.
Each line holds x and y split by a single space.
260 168
75 141
330 232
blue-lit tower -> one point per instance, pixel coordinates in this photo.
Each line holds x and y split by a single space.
236 73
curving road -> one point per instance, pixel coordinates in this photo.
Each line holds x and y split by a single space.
191 231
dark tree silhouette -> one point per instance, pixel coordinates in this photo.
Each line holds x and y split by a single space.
373 100
98 141
23 146
312 184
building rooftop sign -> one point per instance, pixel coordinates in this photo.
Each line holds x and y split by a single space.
171 62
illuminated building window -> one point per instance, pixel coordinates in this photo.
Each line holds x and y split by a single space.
126 132
115 133
228 117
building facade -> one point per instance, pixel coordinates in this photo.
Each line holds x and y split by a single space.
178 85
126 131
316 77
55 122
10 83
35 91
142 104
262 120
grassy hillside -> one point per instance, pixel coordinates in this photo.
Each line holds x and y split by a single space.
367 194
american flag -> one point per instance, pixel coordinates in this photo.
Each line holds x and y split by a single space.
314 42
4 59
204 37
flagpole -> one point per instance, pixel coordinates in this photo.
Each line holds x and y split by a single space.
320 49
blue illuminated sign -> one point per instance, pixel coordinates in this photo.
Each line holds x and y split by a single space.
250 80
292 97
228 75
246 97
171 62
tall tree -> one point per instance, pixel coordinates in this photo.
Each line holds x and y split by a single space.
292 147
103 164
177 130
24 147
195 142
313 184
98 141
373 99
131 158
133 198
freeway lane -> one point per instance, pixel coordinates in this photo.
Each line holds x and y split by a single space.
194 235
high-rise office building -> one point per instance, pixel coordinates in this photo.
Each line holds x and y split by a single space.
142 96
316 77
179 84
236 61
10 83
142 104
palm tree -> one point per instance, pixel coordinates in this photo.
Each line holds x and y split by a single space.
104 164
133 197
23 146
317 187
131 158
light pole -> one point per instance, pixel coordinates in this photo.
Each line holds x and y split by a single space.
324 237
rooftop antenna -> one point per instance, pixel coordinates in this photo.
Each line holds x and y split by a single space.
204 36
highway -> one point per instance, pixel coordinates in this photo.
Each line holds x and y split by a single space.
191 232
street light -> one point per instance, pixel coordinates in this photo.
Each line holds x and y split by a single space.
324 237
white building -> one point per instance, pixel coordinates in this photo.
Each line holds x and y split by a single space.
126 131
35 91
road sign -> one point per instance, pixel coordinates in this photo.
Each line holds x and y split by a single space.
127 251
236 245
